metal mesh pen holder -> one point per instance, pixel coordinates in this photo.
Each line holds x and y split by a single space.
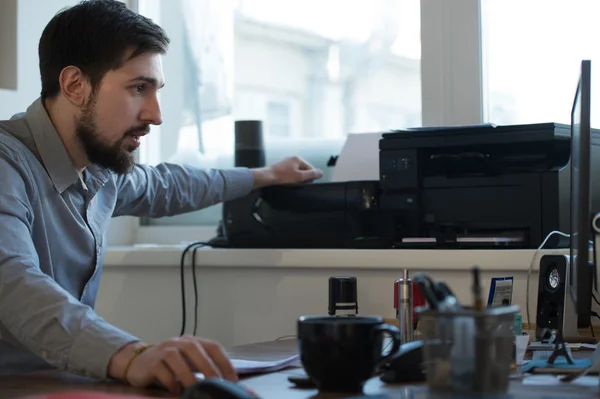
468 351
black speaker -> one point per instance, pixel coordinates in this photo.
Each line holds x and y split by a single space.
551 294
249 146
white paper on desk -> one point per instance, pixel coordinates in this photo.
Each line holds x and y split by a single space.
243 366
359 158
254 366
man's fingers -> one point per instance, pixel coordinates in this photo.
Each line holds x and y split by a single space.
166 378
311 174
220 359
197 356
303 165
178 365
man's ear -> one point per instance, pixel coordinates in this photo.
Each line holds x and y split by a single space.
74 86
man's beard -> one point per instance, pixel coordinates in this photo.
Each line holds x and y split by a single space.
117 156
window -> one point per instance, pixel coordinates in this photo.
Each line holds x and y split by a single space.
313 71
278 119
533 51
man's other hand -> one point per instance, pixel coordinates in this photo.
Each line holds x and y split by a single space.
172 363
287 171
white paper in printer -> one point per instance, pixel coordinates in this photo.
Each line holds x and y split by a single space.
359 158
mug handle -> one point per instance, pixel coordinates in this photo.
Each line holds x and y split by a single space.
396 339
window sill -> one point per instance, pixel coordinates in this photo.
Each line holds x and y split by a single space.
170 255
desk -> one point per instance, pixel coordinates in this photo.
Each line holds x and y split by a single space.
274 385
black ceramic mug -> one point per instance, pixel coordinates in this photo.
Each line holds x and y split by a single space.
341 353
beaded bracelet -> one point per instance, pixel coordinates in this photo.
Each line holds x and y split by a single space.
137 351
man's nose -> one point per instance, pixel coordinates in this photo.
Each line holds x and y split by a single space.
152 113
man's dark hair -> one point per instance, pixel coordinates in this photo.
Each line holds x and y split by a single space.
96 36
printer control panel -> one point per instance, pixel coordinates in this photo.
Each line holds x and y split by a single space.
398 169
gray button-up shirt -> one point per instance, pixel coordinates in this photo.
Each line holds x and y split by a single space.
53 227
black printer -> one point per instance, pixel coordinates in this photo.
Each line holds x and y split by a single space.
319 215
481 186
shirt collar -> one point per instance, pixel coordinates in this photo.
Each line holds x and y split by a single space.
53 152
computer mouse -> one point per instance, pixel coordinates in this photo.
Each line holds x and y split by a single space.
405 366
218 388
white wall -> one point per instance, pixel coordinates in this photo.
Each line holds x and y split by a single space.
8 44
32 17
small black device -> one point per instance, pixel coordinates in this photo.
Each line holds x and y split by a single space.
218 388
301 380
405 366
249 146
342 296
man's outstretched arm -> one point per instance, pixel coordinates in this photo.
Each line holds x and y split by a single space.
171 189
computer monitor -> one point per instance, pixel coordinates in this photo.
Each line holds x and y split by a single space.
580 270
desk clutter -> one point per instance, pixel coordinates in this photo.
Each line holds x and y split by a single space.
454 348
437 340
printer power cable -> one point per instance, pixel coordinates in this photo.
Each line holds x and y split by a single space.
192 246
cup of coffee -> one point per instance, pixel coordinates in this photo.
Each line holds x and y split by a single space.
341 353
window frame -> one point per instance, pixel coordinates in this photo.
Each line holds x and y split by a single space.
452 82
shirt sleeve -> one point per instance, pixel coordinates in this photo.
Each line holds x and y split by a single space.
39 314
171 189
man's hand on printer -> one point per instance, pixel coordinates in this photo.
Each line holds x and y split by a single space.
289 170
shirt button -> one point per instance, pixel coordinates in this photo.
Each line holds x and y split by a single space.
99 248
45 354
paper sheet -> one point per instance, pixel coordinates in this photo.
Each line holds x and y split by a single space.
359 158
253 366
243 366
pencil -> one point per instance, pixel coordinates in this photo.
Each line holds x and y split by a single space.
478 300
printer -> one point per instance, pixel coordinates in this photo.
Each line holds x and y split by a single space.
479 186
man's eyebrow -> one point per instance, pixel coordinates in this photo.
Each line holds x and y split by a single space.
147 79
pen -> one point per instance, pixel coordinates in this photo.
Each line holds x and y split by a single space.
478 301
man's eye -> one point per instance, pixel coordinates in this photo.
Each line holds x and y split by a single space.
140 88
